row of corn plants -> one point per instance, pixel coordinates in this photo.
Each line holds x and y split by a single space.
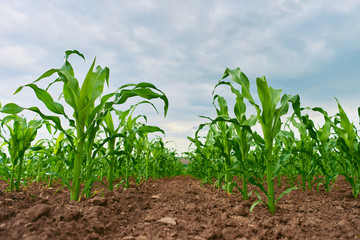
289 144
104 139
100 139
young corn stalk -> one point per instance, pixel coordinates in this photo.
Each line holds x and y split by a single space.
87 115
21 135
202 160
324 157
244 136
306 153
269 118
348 144
224 137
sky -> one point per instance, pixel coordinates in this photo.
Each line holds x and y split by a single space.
310 48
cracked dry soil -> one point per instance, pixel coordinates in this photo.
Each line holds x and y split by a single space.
176 208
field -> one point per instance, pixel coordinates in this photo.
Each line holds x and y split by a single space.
177 208
102 174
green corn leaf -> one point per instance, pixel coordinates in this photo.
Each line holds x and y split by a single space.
285 192
69 52
239 77
54 119
344 120
64 180
149 129
36 148
11 108
46 98
295 100
275 96
251 121
255 203
48 73
280 163
88 86
69 96
265 99
118 135
102 76
119 153
260 186
104 104
143 90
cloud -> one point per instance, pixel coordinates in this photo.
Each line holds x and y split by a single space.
183 47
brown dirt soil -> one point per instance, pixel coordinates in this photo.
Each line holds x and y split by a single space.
176 208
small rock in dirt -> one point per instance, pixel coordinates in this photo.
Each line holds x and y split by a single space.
94 212
294 222
8 200
92 236
241 211
98 201
150 218
6 214
38 211
74 215
129 238
167 220
339 208
343 223
212 233
199 238
223 217
155 197
230 222
230 233
98 227
191 207
141 238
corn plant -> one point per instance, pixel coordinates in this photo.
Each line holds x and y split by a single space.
133 130
203 161
268 115
224 136
349 145
243 137
87 115
21 135
305 152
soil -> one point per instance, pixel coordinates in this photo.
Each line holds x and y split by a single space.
176 208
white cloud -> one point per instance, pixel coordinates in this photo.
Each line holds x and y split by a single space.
183 47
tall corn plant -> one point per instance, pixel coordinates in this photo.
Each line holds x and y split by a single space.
269 117
83 100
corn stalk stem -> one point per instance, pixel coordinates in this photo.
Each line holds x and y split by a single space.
17 185
111 166
77 165
270 181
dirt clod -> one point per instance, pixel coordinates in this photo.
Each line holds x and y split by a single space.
167 220
38 211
